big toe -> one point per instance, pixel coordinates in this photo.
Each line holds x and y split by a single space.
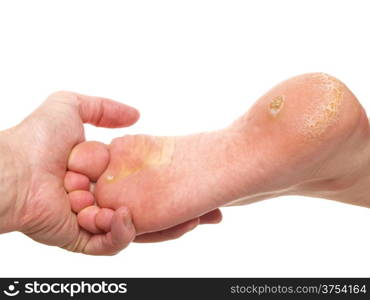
90 159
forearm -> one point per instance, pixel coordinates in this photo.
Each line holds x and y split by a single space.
8 184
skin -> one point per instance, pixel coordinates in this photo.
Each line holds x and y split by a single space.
33 162
307 136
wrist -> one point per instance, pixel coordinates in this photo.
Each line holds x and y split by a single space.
11 189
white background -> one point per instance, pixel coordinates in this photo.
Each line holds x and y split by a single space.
191 66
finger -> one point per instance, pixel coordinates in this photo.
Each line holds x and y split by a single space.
80 200
104 112
86 219
90 159
168 234
75 181
213 217
121 235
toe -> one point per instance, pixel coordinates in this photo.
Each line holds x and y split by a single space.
90 159
122 233
86 219
80 200
75 181
104 219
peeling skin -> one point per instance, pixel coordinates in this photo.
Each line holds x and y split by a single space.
148 154
276 105
326 113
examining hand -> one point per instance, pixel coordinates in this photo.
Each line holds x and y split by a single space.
34 158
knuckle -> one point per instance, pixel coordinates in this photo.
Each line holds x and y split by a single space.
58 95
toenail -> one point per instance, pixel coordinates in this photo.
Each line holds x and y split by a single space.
276 105
110 178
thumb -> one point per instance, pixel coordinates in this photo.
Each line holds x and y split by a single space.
104 112
98 111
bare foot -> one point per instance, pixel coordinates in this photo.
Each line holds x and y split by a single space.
99 220
307 136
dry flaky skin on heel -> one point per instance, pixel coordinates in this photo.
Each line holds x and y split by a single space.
327 113
297 136
308 105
